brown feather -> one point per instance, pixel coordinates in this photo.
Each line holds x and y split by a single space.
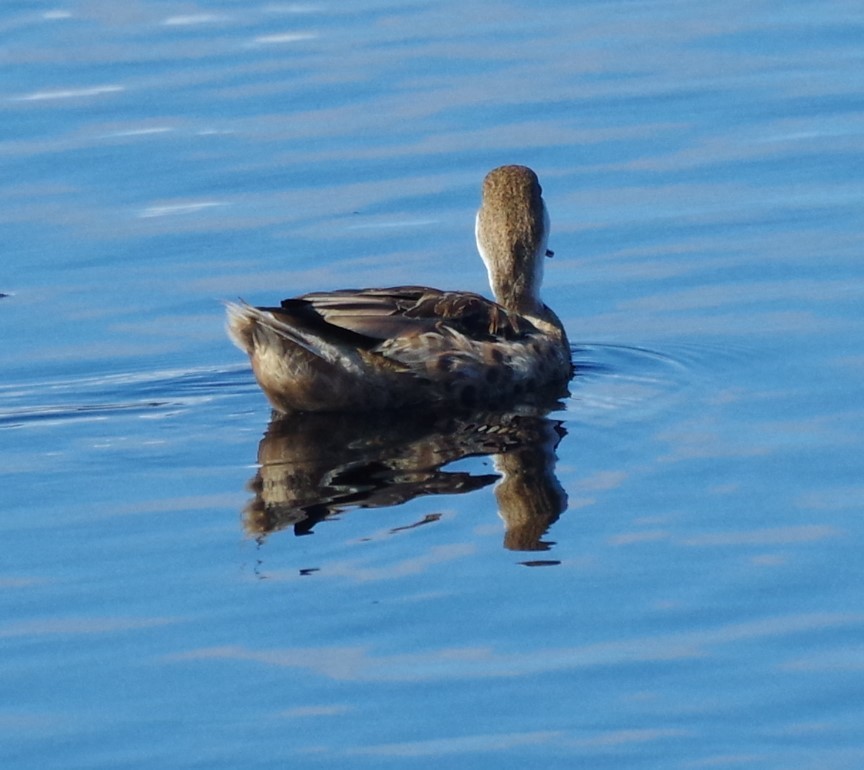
369 316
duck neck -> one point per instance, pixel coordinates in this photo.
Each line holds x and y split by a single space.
519 296
516 297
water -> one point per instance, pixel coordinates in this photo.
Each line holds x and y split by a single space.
697 603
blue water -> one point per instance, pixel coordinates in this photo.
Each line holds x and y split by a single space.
698 602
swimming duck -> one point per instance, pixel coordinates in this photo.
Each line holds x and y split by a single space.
412 346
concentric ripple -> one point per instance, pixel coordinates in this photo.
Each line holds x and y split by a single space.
617 383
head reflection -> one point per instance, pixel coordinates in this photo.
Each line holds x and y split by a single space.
313 466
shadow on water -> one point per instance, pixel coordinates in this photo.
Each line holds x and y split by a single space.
314 466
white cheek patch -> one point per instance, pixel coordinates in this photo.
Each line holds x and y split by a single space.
540 256
546 227
483 255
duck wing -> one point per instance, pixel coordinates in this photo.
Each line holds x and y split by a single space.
368 317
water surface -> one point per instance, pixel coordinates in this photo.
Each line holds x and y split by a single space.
696 603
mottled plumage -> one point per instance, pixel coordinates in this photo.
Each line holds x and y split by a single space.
415 346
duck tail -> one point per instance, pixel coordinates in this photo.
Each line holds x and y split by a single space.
240 324
255 329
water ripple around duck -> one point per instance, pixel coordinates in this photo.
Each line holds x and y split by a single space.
142 394
626 382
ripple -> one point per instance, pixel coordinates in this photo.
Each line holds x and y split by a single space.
193 19
191 207
145 395
139 132
284 37
69 93
627 381
613 382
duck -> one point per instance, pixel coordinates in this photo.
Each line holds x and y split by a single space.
418 347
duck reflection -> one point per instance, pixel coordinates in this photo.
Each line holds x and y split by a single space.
313 466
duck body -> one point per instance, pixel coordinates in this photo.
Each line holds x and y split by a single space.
414 346
396 347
